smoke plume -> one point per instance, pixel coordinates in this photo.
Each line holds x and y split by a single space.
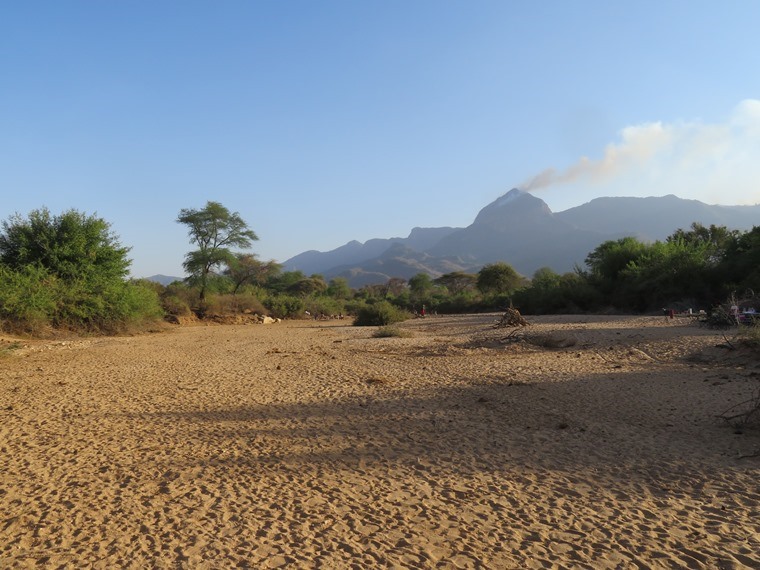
708 162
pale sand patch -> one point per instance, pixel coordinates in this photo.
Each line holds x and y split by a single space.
311 444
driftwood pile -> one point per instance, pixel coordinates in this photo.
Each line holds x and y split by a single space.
511 319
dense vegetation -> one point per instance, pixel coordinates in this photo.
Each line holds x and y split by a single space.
70 272
696 268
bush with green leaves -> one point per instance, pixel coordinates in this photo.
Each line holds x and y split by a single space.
285 306
69 272
72 246
464 302
106 307
322 305
381 313
27 299
32 301
178 299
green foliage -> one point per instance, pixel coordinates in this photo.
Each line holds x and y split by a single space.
422 291
281 282
285 306
308 286
71 246
714 241
27 299
355 305
245 268
421 284
687 267
740 265
108 307
457 282
375 292
498 279
666 272
175 305
610 258
177 299
545 279
464 302
32 301
214 230
395 287
68 272
338 288
549 292
380 313
324 306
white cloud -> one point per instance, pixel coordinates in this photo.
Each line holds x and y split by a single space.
715 163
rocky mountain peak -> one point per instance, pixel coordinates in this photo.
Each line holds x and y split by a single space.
514 207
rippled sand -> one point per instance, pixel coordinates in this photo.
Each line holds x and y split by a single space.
313 445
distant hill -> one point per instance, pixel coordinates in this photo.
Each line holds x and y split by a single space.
655 218
354 252
521 229
164 279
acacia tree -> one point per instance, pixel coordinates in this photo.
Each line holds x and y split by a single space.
457 282
247 268
421 284
498 278
214 229
338 288
308 286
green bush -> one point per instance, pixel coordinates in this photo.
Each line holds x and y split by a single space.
27 299
285 306
379 314
178 299
68 272
353 306
175 305
324 306
32 301
465 302
108 307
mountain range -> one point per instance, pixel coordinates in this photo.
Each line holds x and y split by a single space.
520 229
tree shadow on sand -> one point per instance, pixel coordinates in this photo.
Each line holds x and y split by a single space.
627 422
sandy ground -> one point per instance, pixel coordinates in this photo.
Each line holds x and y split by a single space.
314 445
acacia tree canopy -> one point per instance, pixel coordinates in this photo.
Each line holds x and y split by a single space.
247 268
215 230
457 281
497 278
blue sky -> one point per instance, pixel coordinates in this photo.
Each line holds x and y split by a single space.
323 122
